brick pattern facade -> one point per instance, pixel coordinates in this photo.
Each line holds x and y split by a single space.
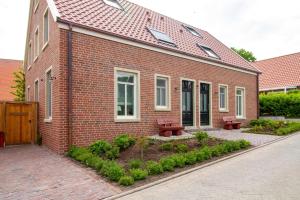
94 60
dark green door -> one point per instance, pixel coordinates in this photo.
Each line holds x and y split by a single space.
204 104
187 103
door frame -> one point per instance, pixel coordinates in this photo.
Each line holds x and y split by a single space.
210 103
194 102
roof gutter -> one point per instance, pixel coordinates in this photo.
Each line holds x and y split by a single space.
145 43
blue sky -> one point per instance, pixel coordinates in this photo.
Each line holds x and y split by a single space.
268 28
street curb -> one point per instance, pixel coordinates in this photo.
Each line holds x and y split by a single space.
195 169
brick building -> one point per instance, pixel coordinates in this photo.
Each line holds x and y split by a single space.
105 67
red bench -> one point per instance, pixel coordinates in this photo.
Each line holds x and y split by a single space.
231 123
169 126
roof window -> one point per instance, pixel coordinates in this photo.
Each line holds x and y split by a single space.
208 51
113 3
163 37
192 31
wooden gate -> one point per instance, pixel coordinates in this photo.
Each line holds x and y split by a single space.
18 121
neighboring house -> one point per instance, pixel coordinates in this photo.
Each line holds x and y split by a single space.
279 74
103 67
7 69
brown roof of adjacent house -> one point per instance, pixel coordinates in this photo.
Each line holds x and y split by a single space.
279 72
7 68
133 21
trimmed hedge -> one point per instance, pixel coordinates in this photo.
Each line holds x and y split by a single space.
280 104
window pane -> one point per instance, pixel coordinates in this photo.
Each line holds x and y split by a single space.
130 100
237 106
36 91
161 82
125 77
161 36
49 95
158 97
46 27
222 100
121 99
163 97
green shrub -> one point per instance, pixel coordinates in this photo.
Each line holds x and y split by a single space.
200 156
124 141
215 151
75 151
244 144
290 128
206 153
126 181
154 168
113 153
83 157
167 164
191 157
135 164
202 137
166 146
179 160
181 148
100 147
138 174
112 170
94 162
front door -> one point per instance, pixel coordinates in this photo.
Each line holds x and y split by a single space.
204 104
187 103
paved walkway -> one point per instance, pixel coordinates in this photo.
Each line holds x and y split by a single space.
268 173
31 172
255 139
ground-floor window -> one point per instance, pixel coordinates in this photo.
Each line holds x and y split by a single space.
36 90
240 102
162 92
223 98
48 84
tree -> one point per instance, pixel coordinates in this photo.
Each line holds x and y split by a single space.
247 55
19 87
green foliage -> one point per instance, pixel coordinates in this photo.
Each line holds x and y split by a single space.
244 144
291 128
76 151
247 55
191 157
154 168
94 162
100 147
138 174
19 86
142 143
135 164
126 181
124 141
83 157
179 160
202 137
167 164
206 153
112 170
181 148
280 104
166 146
113 153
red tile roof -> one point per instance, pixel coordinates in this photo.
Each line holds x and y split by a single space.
132 23
279 72
7 68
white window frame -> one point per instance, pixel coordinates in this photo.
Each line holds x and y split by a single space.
48 119
29 55
243 116
36 92
115 4
36 48
45 43
168 92
36 5
226 109
28 93
136 117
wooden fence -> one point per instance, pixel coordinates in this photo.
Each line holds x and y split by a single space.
19 122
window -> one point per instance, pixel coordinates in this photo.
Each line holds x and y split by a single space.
29 55
223 98
240 102
162 92
36 4
192 31
209 51
36 43
28 93
49 94
113 3
161 36
36 91
46 28
127 90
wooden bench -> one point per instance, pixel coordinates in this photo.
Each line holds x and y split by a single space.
231 123
169 126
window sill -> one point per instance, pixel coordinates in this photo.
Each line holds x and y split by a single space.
224 111
29 67
36 7
160 109
35 59
242 118
48 120
45 45
127 120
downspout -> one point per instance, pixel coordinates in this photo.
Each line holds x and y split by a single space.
258 106
69 84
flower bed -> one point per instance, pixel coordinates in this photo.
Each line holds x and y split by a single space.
272 127
129 160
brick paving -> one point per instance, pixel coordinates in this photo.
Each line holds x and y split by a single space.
32 172
255 139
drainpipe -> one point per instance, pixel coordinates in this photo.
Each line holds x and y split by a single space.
258 106
69 84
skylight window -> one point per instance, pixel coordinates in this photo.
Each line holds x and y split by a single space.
113 3
192 31
209 51
161 36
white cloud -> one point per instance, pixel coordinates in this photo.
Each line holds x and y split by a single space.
269 28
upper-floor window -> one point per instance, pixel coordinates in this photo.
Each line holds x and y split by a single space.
223 98
29 55
192 31
46 28
208 51
163 37
240 102
113 3
162 92
36 43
